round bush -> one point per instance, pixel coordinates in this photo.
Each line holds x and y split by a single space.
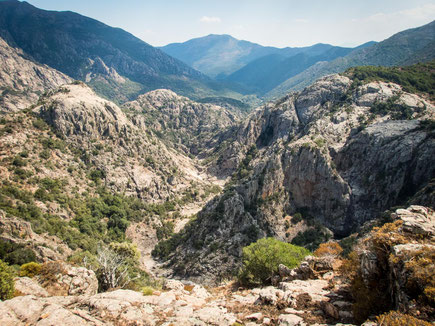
262 258
328 249
30 269
6 281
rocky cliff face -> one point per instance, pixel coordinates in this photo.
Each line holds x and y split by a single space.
130 157
184 124
22 81
398 259
328 156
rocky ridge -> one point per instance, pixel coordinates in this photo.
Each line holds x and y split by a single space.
117 64
189 126
125 151
409 46
74 144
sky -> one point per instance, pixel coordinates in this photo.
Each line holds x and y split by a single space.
279 23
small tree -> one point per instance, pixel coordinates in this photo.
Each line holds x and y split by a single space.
6 281
262 258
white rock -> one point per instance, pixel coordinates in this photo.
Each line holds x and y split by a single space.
290 320
255 316
315 288
216 315
345 314
28 286
266 321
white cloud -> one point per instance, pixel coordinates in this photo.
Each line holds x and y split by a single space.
301 20
381 25
418 13
210 20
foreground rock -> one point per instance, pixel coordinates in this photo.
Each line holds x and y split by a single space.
293 303
398 260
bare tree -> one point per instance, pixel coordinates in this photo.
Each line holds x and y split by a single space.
113 270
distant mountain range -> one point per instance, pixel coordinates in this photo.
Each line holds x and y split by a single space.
407 47
272 72
113 61
219 56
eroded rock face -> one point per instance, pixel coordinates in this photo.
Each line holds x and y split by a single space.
22 81
129 156
417 220
189 126
28 286
69 280
79 281
406 260
318 154
45 247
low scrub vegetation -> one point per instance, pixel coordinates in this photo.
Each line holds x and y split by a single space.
395 318
417 78
328 249
15 254
30 269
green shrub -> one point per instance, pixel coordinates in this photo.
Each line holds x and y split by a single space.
6 281
262 258
147 290
45 154
30 269
84 259
19 161
297 217
312 237
15 254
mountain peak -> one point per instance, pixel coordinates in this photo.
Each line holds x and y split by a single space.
70 43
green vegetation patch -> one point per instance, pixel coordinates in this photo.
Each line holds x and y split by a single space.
262 258
6 281
418 78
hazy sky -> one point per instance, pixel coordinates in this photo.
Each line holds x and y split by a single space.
268 22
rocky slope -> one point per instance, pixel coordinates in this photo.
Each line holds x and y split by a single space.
181 122
74 168
22 81
335 155
295 301
99 126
